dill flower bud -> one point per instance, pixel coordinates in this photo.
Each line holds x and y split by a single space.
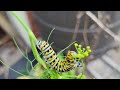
76 44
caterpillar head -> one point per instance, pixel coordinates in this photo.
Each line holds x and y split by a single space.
38 45
41 44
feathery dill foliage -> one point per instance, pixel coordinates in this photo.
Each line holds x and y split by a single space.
41 70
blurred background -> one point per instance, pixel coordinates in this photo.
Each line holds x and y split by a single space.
84 27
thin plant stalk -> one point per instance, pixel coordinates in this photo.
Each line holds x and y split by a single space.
11 68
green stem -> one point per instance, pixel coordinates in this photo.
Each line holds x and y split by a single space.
65 48
22 52
82 70
11 68
83 67
50 34
24 25
37 57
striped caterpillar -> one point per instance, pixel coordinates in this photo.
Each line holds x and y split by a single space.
51 58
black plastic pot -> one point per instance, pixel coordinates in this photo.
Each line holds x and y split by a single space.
64 23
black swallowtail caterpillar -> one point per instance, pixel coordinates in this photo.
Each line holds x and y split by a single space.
71 60
50 56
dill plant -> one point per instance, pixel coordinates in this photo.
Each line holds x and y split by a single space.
41 70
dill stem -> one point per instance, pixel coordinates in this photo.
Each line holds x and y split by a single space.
24 25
